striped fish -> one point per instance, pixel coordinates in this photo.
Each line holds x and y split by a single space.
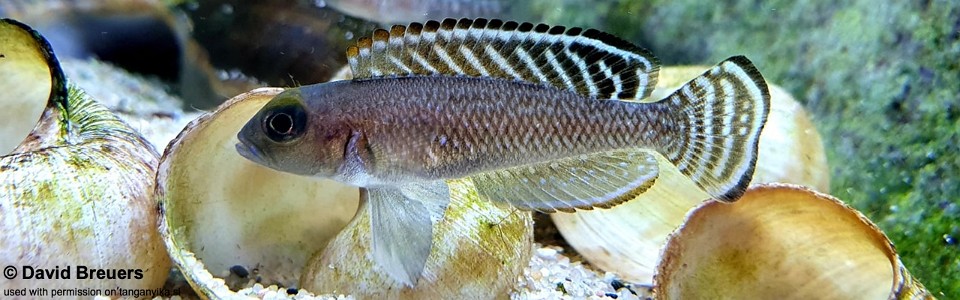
540 117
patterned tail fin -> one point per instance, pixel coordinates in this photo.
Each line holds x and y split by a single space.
719 118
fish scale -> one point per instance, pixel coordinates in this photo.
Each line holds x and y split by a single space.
564 118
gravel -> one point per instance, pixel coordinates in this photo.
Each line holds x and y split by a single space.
552 275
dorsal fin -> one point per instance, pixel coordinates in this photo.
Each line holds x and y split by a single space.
589 62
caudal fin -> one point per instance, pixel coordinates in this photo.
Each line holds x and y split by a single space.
719 117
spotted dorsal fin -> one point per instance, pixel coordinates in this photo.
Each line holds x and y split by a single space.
589 62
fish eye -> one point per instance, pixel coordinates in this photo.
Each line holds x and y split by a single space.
284 124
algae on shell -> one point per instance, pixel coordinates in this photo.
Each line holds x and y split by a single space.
479 249
77 192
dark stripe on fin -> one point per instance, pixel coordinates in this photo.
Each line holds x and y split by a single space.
718 117
589 62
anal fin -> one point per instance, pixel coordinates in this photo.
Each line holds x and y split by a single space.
585 181
401 225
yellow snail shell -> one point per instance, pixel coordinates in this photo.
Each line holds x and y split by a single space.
781 241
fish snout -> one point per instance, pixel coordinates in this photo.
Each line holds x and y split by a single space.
248 150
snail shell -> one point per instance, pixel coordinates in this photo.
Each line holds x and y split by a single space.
782 241
77 192
220 210
479 250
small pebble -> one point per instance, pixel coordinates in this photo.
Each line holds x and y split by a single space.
239 271
547 253
611 295
292 291
616 284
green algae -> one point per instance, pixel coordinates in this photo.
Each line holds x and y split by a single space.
882 81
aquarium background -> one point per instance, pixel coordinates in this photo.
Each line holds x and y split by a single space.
880 79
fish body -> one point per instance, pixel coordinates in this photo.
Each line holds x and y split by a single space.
445 127
542 118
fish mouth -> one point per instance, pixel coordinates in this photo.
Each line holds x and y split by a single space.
250 152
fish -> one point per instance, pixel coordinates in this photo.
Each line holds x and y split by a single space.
539 117
405 11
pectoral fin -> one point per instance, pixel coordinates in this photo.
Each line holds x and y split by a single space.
401 226
586 181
